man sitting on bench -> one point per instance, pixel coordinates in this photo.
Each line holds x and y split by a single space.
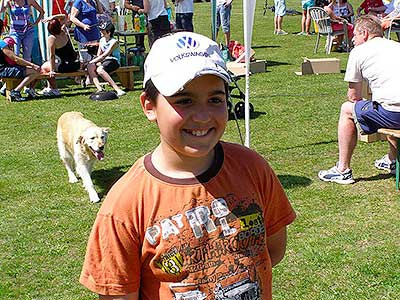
376 60
12 66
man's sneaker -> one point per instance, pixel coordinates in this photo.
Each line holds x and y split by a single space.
386 164
16 96
334 175
30 93
281 32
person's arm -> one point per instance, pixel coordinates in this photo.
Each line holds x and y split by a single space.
276 245
228 2
102 55
131 7
350 9
132 296
34 4
354 92
74 19
19 60
99 7
146 7
51 41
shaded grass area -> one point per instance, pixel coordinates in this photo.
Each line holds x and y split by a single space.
343 245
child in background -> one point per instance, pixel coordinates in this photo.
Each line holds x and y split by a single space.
107 59
196 217
343 9
371 6
306 18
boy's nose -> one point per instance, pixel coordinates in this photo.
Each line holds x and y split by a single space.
202 114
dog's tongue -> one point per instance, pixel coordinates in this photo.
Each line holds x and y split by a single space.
99 155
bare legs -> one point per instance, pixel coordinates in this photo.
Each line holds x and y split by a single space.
93 70
31 75
347 137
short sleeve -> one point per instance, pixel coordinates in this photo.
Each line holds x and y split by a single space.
353 70
278 211
112 261
3 44
78 4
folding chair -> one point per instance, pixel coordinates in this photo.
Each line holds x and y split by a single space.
323 24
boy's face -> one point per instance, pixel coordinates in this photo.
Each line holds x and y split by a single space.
192 121
104 33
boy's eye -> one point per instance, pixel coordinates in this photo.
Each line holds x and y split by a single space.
216 100
183 101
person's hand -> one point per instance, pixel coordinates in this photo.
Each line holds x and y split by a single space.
46 19
227 3
86 27
52 74
36 68
135 8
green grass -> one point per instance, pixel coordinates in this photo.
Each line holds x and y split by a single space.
343 245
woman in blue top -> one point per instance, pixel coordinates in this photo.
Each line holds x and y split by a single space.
21 28
83 15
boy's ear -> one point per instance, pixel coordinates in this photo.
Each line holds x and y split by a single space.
148 107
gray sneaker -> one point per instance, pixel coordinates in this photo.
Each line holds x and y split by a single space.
334 175
386 164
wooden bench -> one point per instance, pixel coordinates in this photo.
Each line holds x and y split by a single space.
125 76
394 133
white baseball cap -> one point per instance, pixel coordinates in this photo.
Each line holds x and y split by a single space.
178 58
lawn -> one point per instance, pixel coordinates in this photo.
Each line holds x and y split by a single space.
344 243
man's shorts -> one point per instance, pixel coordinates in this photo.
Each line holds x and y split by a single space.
12 71
369 116
307 4
110 65
280 8
224 17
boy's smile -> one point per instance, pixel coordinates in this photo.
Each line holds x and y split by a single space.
192 121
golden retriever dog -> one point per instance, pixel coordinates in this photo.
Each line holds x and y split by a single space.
80 143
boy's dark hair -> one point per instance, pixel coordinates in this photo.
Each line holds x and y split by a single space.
152 92
54 27
109 27
369 23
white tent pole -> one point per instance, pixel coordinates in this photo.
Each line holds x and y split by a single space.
248 17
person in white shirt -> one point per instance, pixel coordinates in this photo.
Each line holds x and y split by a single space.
184 15
374 59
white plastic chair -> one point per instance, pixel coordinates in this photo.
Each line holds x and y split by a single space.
394 27
323 26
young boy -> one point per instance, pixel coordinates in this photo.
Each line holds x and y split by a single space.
107 59
197 218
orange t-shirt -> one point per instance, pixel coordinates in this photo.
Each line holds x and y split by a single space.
199 238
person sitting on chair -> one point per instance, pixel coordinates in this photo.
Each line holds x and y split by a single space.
60 45
338 24
107 59
373 59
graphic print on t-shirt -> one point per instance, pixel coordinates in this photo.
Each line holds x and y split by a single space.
209 250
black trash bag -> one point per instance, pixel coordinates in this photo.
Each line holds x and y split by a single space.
103 96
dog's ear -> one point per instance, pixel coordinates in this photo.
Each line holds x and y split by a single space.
106 129
79 140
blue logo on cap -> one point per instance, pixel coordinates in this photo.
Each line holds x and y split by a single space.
187 42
